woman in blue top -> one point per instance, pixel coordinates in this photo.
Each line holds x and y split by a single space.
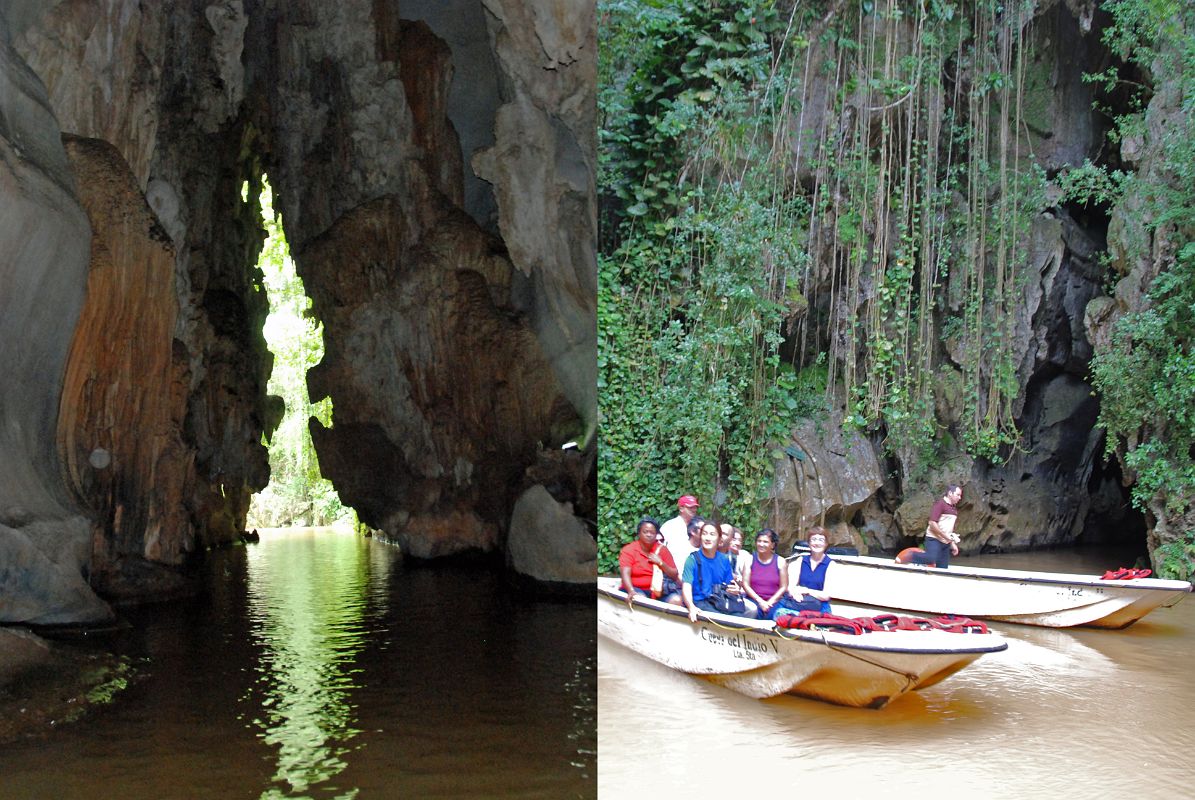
807 576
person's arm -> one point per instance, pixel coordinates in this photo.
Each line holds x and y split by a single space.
947 529
626 584
687 593
663 560
792 583
782 588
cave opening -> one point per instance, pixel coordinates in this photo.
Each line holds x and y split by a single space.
1112 518
298 494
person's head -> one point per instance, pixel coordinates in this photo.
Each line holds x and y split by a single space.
817 539
766 541
694 529
709 537
954 493
686 506
736 540
648 531
725 532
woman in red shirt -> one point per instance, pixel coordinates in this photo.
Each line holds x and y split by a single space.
640 560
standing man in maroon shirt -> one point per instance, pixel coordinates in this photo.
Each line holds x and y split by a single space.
941 542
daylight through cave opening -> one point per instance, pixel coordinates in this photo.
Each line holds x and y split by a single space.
297 494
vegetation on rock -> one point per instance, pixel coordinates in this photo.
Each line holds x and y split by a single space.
1145 374
843 196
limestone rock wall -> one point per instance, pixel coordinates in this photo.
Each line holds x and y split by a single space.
1055 487
434 170
423 357
543 166
443 363
824 479
44 236
1139 249
125 389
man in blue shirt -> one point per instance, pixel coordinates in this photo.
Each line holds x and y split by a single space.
705 569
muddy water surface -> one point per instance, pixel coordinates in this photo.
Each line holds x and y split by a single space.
1062 713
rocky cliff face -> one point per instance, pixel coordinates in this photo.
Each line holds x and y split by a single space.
1141 246
433 163
45 540
1054 487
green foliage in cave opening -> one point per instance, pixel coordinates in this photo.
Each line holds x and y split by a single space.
297 493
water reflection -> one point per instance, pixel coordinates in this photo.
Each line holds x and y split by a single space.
320 666
307 608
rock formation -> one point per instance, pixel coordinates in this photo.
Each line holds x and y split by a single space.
824 478
45 541
434 167
1055 487
548 542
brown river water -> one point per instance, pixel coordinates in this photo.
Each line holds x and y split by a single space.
1077 713
317 664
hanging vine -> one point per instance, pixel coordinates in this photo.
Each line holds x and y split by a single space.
840 183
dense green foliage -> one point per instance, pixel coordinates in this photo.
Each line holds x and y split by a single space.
794 196
1146 377
699 266
297 494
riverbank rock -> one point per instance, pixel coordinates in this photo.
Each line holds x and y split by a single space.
825 475
45 684
40 578
548 543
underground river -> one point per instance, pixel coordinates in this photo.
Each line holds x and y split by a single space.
317 664
1080 713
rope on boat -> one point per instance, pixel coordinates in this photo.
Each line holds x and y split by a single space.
705 616
784 633
910 677
710 619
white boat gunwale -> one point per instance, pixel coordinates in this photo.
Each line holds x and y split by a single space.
611 587
1047 599
1017 576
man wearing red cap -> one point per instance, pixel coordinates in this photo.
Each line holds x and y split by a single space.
675 531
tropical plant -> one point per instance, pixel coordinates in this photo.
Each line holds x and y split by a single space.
790 187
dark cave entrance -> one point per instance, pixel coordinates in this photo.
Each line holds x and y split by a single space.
1112 519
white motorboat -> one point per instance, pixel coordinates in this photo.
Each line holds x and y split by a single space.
1050 599
755 658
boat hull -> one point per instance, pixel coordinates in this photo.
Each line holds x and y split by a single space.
1046 599
756 660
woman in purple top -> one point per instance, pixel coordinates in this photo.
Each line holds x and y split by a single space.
765 577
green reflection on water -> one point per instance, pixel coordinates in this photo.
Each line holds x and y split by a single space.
308 607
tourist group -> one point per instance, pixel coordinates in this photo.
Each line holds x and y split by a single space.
717 574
